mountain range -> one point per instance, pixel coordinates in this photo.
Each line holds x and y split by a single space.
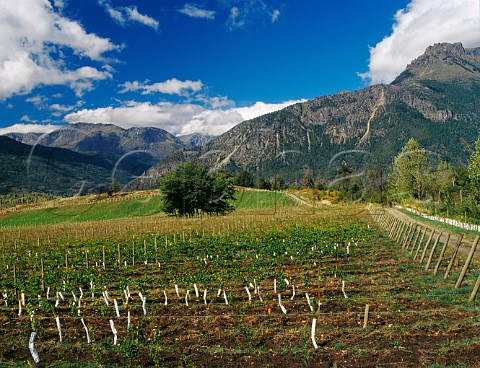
59 171
109 151
435 100
105 139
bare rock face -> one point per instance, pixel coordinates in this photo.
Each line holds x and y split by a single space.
196 139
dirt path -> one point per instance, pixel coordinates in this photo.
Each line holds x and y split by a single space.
300 200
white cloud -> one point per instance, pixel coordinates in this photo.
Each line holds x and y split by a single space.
28 128
245 12
128 14
261 108
178 119
171 87
165 115
421 24
115 14
38 100
61 108
275 15
25 118
135 16
32 39
195 12
235 20
216 102
41 102
60 4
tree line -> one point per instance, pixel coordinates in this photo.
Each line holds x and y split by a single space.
415 174
441 188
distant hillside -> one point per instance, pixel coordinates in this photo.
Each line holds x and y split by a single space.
24 168
132 151
105 139
436 100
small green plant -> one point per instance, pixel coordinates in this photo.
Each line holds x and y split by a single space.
96 353
130 344
394 344
187 361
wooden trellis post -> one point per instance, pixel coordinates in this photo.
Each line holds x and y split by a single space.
425 250
467 263
452 259
475 290
433 251
442 252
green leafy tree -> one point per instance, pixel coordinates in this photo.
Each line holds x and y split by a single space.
113 188
444 180
278 183
374 184
190 189
321 183
473 171
244 179
308 180
411 172
264 184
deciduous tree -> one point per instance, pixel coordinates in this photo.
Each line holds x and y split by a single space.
190 189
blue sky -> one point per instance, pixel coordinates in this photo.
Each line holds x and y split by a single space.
205 66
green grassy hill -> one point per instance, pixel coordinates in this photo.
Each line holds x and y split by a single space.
98 208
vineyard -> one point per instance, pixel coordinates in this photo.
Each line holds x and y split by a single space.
271 284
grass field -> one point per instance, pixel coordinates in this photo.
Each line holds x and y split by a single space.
101 208
215 288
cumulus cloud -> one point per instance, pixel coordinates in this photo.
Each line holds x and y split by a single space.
179 119
124 15
32 38
28 128
421 24
261 108
165 115
195 12
171 87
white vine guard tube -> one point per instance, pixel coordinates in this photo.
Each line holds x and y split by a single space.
314 324
31 347
281 305
57 319
114 330
86 331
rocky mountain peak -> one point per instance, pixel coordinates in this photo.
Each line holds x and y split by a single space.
443 62
443 50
